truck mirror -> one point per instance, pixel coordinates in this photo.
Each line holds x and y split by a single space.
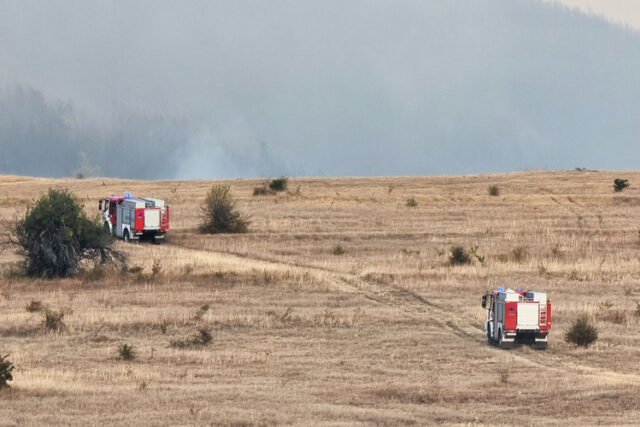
484 301
100 205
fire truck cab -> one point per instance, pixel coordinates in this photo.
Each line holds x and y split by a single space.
517 317
131 218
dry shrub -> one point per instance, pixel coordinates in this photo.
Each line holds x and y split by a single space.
34 306
201 312
156 268
6 369
263 190
519 254
582 332
220 213
494 190
411 202
53 320
459 256
202 338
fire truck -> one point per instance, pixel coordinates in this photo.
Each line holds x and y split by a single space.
517 317
131 218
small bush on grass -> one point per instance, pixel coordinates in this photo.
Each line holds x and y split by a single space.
126 352
203 310
338 250
220 213
55 236
279 184
474 251
620 184
262 190
459 256
202 338
156 268
53 321
519 254
411 202
34 306
494 190
582 332
6 369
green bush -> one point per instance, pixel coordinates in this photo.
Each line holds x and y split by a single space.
620 184
338 250
582 332
6 367
411 202
55 237
220 213
494 190
459 256
279 184
126 352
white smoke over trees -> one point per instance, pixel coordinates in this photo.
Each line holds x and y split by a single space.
158 89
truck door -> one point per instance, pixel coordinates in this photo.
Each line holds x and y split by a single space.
491 317
112 212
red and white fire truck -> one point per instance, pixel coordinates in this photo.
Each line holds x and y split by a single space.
131 218
517 317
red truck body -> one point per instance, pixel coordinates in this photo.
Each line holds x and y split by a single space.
517 317
132 217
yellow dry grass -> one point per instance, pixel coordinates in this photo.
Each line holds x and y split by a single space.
386 333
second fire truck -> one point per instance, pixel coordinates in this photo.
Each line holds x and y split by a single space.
517 317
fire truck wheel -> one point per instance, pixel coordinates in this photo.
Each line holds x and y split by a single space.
125 236
489 337
540 345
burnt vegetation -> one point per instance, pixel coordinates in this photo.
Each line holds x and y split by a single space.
56 238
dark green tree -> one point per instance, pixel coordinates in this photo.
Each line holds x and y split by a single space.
55 236
220 213
620 184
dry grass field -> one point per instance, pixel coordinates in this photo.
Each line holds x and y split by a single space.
387 333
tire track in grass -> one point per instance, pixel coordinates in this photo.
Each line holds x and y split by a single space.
419 308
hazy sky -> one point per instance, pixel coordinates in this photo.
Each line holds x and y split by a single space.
626 12
159 88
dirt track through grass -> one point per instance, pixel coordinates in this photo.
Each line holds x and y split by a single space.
387 333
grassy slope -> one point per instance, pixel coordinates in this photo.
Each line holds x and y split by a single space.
387 333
